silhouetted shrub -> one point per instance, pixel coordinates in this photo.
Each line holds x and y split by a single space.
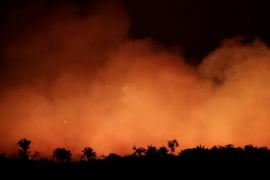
62 155
113 157
138 151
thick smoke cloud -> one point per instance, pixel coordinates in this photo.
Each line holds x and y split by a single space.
75 79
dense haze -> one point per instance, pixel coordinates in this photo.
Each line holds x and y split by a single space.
74 79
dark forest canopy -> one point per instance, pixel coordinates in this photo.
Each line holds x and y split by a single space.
142 162
151 152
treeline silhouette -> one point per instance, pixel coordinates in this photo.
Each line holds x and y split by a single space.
165 159
216 153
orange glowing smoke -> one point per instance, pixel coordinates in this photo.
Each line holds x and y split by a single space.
80 80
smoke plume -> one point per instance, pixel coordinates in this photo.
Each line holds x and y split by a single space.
74 79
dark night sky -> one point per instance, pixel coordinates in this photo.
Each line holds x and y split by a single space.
196 26
199 25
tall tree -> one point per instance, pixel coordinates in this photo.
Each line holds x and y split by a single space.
89 153
24 145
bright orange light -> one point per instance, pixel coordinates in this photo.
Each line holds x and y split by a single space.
82 81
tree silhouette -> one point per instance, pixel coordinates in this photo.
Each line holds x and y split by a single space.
250 148
163 152
89 153
24 145
172 145
151 151
62 155
200 147
138 151
113 157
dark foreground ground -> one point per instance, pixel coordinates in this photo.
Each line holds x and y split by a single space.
139 168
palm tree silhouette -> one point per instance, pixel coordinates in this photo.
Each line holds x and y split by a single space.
172 145
62 155
89 153
24 145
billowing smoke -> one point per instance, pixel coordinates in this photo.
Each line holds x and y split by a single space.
76 79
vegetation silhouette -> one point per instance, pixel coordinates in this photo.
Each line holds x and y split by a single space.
151 151
62 155
88 154
172 145
113 157
149 159
24 145
138 151
216 153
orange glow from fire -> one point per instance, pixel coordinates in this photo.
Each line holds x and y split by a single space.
82 81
